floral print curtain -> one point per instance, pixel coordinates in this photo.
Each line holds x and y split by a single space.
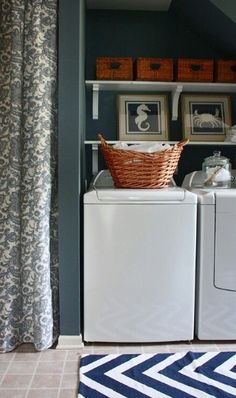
28 207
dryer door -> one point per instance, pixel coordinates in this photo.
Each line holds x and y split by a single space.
225 240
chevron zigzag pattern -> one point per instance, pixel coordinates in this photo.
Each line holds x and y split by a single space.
177 375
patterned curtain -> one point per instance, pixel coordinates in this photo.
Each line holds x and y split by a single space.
28 148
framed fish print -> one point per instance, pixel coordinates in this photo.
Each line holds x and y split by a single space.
143 117
206 117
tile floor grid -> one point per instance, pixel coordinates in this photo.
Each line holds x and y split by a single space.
31 381
7 368
63 369
54 373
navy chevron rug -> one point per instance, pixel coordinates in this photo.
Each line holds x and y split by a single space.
177 375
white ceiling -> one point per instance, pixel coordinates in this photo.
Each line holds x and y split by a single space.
157 5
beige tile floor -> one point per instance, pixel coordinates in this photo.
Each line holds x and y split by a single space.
25 373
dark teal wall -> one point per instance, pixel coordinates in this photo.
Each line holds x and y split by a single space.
134 34
209 22
71 112
226 6
108 33
149 34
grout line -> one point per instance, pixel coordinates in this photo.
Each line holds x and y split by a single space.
31 389
91 346
31 381
62 374
40 374
5 373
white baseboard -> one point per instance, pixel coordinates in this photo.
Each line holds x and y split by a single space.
70 343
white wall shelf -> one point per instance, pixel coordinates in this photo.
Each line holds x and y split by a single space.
94 145
176 88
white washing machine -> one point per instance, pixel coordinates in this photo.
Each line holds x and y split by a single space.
139 263
216 259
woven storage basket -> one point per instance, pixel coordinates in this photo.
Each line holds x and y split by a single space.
114 68
195 70
225 71
131 169
157 69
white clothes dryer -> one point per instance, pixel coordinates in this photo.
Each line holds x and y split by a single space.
139 263
216 259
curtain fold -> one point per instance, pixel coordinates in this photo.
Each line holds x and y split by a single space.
28 181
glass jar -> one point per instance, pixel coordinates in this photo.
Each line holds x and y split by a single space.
218 171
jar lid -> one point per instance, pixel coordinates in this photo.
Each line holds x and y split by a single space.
216 159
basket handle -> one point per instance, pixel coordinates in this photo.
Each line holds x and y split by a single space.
183 142
179 144
101 139
195 67
155 66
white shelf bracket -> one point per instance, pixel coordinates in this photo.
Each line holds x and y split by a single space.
94 159
95 101
175 101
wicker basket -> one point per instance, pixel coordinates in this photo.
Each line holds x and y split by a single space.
114 68
157 69
195 70
225 71
131 169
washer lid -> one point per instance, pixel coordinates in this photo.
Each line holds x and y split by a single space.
225 240
130 196
141 195
103 190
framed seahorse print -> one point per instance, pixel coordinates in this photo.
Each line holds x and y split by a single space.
143 117
206 117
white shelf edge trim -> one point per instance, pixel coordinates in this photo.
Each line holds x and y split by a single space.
176 88
95 145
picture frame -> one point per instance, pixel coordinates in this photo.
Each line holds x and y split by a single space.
143 117
206 117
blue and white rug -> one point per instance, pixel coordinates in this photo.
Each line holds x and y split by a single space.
178 375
